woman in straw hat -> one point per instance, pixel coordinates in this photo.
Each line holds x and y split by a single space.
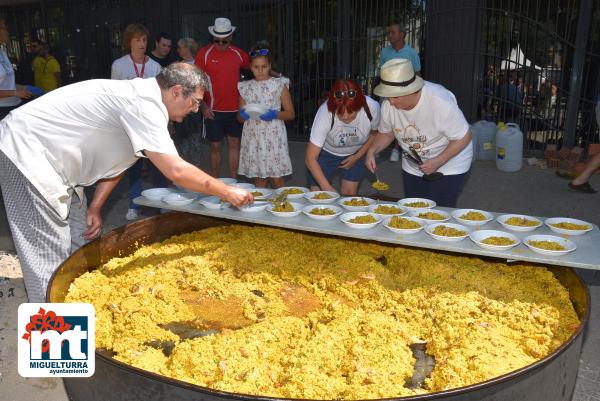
431 129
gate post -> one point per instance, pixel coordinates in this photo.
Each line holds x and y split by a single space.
583 30
451 49
289 37
344 35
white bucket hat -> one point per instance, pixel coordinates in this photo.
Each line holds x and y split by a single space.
398 78
222 28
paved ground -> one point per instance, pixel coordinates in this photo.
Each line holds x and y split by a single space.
530 191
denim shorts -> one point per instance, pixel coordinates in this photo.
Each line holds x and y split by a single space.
224 124
330 165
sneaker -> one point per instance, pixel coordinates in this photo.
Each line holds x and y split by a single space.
132 214
395 155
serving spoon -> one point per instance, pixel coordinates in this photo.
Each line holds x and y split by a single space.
379 185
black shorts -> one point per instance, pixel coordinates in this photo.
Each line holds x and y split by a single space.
443 191
224 124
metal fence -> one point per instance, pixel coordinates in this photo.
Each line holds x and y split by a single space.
504 59
315 42
529 70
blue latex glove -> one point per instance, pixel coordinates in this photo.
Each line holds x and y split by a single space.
269 115
244 115
35 91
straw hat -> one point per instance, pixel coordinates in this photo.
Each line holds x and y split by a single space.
222 28
398 78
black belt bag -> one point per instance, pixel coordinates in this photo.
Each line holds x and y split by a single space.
415 158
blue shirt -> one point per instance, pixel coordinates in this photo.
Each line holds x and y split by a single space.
407 52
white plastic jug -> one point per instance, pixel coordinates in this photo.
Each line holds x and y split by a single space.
484 140
509 147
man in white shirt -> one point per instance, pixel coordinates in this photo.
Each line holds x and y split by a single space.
431 129
90 133
10 92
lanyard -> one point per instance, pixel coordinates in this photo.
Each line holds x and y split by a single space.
137 73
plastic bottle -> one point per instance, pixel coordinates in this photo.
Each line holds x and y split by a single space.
509 147
484 140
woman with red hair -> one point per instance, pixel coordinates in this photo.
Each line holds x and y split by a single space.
343 129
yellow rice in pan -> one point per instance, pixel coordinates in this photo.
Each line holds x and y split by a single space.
303 316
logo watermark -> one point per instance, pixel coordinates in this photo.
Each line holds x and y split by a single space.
56 340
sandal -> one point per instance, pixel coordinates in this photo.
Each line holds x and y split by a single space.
585 188
566 174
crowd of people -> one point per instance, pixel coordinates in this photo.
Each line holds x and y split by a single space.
512 95
45 73
92 132
344 136
153 113
345 126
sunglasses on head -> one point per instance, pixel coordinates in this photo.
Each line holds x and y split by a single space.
221 41
340 94
259 52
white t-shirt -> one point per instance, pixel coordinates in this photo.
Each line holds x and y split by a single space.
428 128
122 68
78 134
7 81
343 139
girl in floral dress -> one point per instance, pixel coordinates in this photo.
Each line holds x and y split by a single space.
264 153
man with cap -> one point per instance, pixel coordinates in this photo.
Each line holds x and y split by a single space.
222 63
431 129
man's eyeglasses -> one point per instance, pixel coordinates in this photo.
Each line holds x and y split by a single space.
340 94
221 41
259 52
195 102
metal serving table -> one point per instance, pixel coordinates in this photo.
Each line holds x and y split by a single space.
586 256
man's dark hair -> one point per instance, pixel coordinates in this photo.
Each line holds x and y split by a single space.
163 35
399 23
187 75
42 44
